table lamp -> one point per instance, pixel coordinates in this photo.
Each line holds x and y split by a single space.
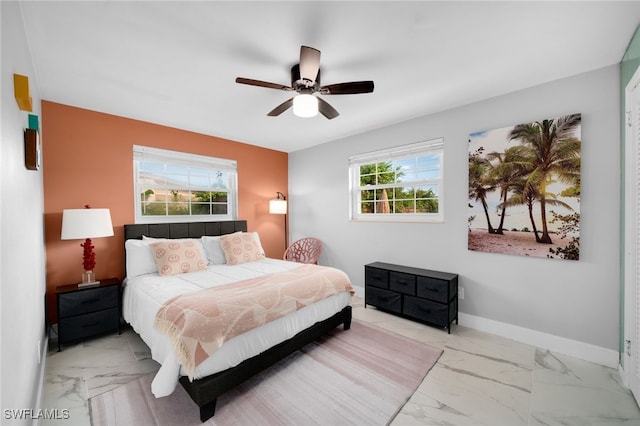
85 224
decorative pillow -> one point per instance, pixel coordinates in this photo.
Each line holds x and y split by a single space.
241 248
177 257
197 241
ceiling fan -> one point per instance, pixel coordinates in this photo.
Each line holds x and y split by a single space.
305 80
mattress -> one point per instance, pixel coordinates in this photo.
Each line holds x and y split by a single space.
145 294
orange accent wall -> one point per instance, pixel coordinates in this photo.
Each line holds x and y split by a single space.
88 159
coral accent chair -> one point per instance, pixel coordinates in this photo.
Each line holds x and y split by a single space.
305 250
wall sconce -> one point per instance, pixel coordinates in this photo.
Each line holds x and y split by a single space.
278 205
85 224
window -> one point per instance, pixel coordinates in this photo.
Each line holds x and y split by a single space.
398 184
171 184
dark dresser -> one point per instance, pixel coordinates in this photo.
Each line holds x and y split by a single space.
427 296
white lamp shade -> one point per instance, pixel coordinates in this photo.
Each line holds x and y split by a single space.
278 206
79 224
305 105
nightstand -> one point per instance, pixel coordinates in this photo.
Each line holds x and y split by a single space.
88 311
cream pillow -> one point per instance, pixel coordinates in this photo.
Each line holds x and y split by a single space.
215 254
241 248
177 257
139 259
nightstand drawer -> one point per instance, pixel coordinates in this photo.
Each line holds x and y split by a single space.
87 325
87 300
403 283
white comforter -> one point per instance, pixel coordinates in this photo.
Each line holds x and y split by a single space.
145 294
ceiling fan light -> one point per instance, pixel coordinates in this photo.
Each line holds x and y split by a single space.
305 105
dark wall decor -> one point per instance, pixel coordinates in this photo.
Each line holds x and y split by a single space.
32 150
524 189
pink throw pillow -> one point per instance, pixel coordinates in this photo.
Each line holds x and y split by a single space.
241 248
177 257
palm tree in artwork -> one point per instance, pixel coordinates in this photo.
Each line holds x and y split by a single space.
504 170
528 195
479 185
554 154
523 194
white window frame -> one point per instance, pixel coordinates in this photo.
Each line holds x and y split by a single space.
168 157
413 150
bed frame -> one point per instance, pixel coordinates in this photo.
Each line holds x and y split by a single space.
205 391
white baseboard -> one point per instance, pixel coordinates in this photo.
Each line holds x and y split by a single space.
43 370
624 376
574 348
359 291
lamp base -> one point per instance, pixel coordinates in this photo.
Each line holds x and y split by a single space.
89 284
88 279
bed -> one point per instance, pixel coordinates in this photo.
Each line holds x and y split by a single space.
242 356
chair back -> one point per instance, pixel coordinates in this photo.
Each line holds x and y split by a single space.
304 250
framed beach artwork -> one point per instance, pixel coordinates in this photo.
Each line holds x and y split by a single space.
524 189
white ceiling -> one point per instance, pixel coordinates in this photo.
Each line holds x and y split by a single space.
174 63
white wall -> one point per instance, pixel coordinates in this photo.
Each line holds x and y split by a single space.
578 301
22 258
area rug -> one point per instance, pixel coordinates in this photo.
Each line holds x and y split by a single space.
360 376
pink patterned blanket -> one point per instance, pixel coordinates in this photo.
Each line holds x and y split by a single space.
199 323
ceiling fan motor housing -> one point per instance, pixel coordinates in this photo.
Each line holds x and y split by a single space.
302 85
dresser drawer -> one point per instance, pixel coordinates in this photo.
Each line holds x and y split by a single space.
87 325
87 300
383 299
435 289
425 310
403 283
376 277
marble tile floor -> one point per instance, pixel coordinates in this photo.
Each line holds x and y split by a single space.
480 379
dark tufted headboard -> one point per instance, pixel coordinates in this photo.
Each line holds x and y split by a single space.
183 230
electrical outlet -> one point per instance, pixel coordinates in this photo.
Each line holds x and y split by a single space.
461 293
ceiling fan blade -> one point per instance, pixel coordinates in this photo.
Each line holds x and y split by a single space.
351 88
281 108
260 83
326 109
309 63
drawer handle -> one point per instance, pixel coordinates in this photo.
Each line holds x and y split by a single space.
88 301
91 324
